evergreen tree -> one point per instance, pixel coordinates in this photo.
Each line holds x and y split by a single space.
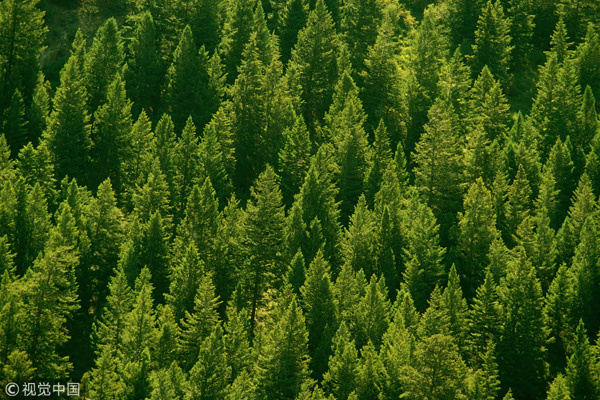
359 22
317 297
493 42
521 349
111 135
344 127
22 36
477 230
189 88
371 374
283 361
293 19
294 158
372 314
15 124
560 311
38 113
204 16
198 325
423 254
587 55
235 34
437 371
49 295
438 165
340 379
313 68
103 62
581 372
144 66
484 317
68 132
558 389
210 375
263 242
456 307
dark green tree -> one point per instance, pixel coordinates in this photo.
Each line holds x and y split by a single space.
493 42
103 62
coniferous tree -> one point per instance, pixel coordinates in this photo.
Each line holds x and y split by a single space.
263 241
236 33
22 36
198 324
68 132
438 165
581 372
144 66
103 62
423 254
111 135
359 22
558 389
521 349
340 379
493 42
283 361
313 67
293 19
14 123
477 231
317 297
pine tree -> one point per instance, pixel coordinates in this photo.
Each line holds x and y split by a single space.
423 254
437 370
521 350
189 88
317 298
588 121
359 22
215 155
371 374
462 19
154 255
493 42
344 127
144 66
585 268
559 311
38 112
293 19
263 241
140 338
283 361
587 54
489 106
22 36
454 86
199 324
15 124
49 295
68 131
372 314
141 140
581 372
317 202
558 389
522 25
557 101
485 383
236 34
340 379
111 135
359 245
313 67
456 307
428 46
103 62
204 16
438 164
210 375
477 230
294 158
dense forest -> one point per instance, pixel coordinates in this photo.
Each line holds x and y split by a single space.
301 199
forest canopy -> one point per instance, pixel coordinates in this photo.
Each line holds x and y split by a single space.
301 199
